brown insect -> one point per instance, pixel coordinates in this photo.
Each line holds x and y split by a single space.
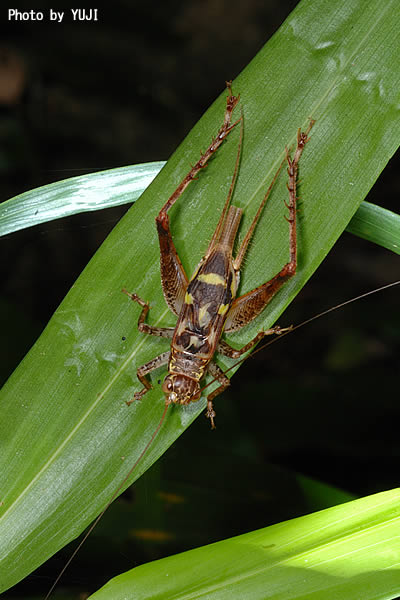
206 305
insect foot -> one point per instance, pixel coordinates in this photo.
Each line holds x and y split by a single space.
134 297
210 414
279 330
136 396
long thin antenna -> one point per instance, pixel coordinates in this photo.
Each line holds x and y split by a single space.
306 322
157 429
115 494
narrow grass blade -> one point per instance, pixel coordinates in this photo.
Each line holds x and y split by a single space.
376 225
76 195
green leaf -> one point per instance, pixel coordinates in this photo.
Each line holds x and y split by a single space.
377 225
68 438
76 195
124 185
331 554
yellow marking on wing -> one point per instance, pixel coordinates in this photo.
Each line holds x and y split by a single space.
212 278
196 271
204 315
233 286
223 309
188 298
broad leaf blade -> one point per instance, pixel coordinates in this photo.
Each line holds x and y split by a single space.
331 554
67 436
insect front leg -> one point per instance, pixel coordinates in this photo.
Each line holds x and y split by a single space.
227 350
142 371
157 362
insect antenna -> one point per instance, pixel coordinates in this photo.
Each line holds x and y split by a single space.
115 494
305 322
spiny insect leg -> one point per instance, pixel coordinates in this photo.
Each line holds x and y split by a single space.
223 132
143 327
245 308
173 277
244 245
218 374
293 166
227 350
155 363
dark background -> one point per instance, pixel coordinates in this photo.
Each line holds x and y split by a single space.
87 96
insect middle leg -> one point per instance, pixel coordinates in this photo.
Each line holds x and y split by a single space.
227 350
143 327
157 362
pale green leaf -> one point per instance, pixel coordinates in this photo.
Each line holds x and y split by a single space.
348 552
76 195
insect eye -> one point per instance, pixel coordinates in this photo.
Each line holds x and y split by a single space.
167 385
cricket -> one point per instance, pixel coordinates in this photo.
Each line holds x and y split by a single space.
206 305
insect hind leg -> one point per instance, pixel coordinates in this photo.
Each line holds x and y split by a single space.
246 307
292 170
224 130
173 277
